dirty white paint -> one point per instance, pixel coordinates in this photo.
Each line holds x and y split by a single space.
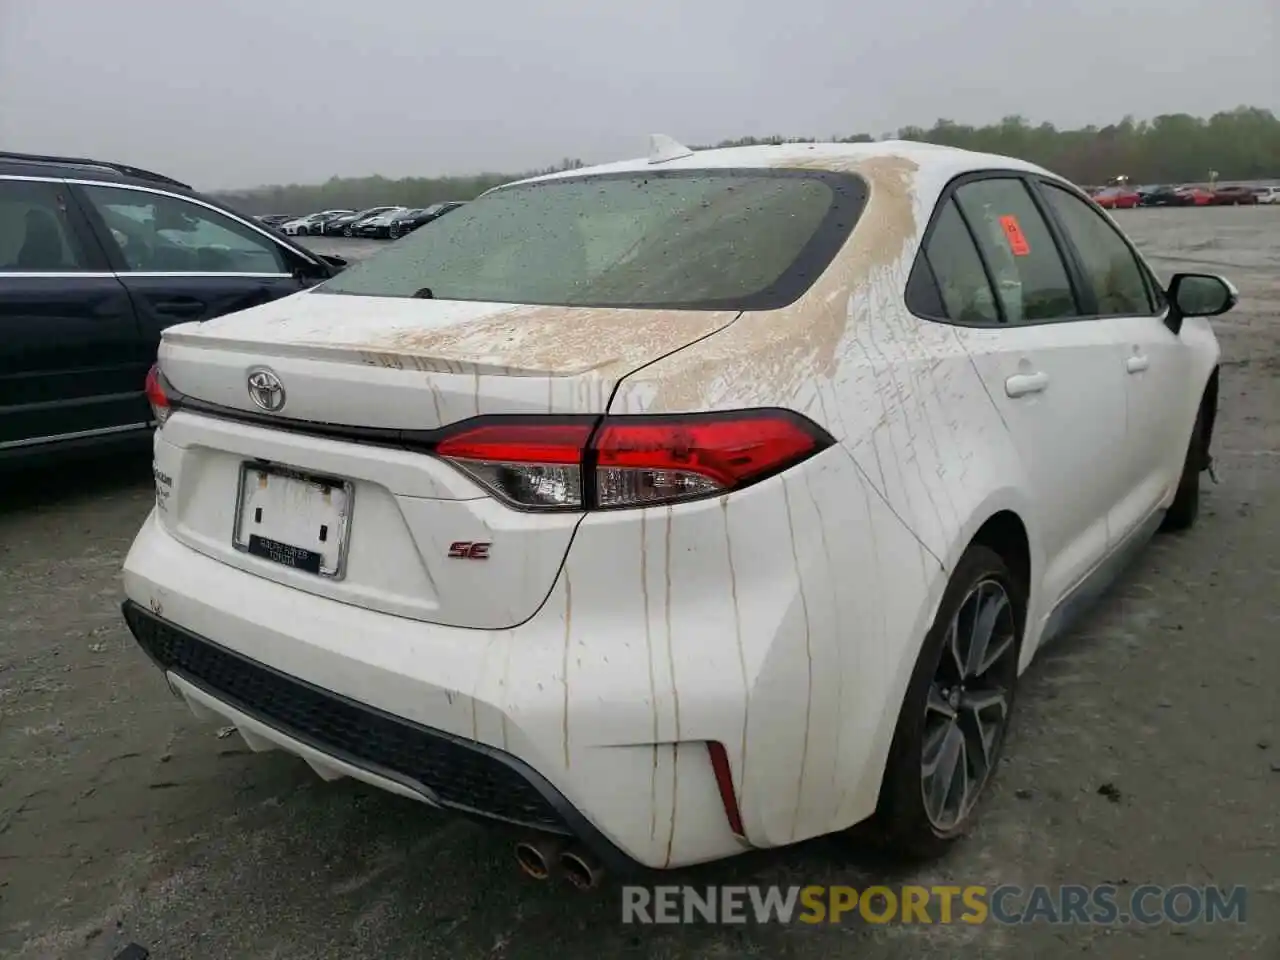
416 364
783 621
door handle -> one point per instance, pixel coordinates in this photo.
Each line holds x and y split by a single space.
1021 384
1137 363
181 306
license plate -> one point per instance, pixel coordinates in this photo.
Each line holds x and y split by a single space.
294 519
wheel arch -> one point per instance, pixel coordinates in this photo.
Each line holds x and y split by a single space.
1005 533
1000 526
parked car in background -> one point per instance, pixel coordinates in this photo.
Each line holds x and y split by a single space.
1117 198
418 218
378 227
405 222
1233 195
653 518
312 224
343 226
1267 195
1197 196
96 259
1165 196
274 219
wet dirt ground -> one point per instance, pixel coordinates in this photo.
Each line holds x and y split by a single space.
123 819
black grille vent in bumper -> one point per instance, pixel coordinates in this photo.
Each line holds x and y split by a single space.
464 775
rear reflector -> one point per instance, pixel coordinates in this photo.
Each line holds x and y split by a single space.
583 463
724 782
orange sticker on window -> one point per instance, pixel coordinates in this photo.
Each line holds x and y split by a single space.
1013 233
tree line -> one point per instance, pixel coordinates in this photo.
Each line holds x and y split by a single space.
1240 144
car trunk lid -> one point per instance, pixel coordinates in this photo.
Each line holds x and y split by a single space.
372 523
391 362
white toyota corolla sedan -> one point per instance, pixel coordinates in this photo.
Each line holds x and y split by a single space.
676 507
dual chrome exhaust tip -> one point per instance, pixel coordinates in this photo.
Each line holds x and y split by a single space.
543 858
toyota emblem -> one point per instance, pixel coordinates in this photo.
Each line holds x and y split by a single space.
265 389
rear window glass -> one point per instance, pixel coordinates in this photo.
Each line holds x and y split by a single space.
727 239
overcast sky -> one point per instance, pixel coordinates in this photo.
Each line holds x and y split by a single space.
243 92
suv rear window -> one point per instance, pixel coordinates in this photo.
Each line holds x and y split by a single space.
709 240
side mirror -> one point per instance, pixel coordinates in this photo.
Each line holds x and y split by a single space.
1199 295
308 271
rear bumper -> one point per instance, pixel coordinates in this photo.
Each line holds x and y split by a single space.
339 736
465 719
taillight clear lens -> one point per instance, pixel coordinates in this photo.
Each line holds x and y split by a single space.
528 484
628 461
156 396
638 487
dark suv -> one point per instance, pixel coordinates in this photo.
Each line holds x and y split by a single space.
95 260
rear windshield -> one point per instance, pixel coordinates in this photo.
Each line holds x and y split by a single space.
725 239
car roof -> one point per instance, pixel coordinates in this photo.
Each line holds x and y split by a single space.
835 157
80 168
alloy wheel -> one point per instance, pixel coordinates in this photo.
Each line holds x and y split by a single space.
967 709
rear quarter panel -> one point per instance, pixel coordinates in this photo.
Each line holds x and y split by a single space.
923 453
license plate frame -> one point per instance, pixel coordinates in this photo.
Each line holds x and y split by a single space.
273 548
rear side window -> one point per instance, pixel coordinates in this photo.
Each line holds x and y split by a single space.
730 239
1109 265
1030 278
35 233
962 282
164 234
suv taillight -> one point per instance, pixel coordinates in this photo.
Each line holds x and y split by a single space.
588 463
156 395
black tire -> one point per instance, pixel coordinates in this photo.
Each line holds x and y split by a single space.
1184 510
902 824
346 231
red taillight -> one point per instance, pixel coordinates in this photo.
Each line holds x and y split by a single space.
581 463
654 461
531 464
550 442
159 400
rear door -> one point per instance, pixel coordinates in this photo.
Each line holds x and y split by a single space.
69 341
1156 362
1053 373
182 260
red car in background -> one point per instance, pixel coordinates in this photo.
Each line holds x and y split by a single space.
1229 196
1198 196
1117 198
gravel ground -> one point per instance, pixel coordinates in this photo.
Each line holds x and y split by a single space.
122 818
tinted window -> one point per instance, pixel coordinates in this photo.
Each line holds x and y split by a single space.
1029 274
163 234
1109 264
696 240
35 235
957 268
